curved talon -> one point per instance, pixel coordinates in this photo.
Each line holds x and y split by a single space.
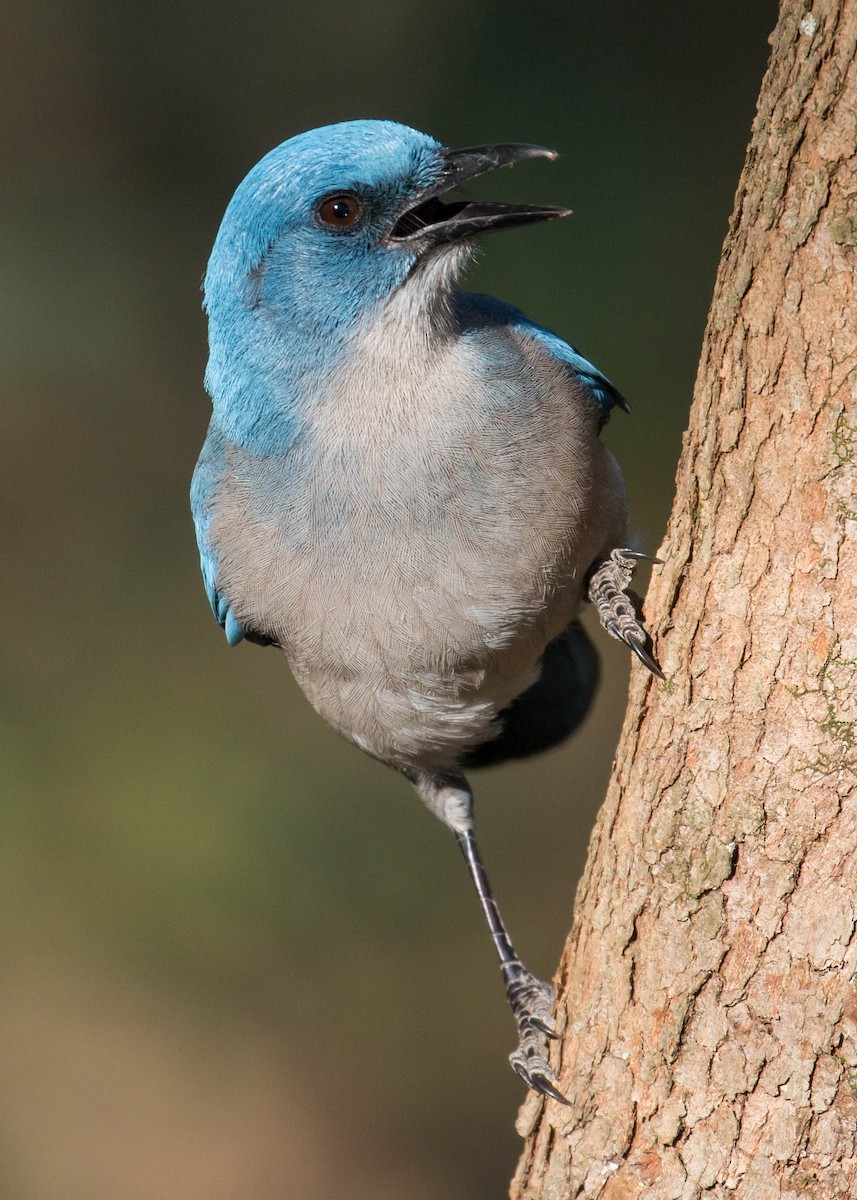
638 554
516 1059
646 659
540 1084
545 1028
539 1077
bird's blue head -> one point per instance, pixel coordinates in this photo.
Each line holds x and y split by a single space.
321 233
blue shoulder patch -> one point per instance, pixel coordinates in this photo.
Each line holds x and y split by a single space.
205 477
497 312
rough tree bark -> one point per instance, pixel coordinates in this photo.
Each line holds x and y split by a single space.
707 997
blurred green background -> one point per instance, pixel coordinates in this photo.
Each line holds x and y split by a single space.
240 961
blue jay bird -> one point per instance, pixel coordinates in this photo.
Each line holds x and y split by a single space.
402 486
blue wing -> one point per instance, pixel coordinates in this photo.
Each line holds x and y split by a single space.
212 462
474 308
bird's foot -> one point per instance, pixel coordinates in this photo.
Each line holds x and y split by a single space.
608 591
531 1001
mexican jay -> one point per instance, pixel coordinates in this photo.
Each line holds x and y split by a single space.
403 486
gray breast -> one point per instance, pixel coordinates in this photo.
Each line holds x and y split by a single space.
416 550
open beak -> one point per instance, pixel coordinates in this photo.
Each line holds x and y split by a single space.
431 221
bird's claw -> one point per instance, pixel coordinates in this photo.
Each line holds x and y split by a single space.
642 653
531 1000
641 557
533 1067
549 1030
608 591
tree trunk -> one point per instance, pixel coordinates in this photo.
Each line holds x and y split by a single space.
707 998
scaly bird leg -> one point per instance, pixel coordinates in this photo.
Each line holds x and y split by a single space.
530 998
608 586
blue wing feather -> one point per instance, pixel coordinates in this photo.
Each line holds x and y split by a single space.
473 307
205 478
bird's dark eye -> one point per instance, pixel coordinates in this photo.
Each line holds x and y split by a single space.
340 212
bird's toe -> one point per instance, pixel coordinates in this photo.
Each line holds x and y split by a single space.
535 1070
